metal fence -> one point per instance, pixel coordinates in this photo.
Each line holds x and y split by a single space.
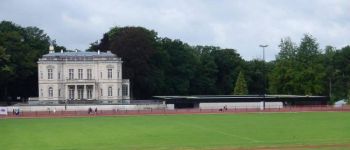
73 113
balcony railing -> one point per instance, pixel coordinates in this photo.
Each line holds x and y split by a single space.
80 80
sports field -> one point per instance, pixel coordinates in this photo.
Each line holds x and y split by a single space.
312 130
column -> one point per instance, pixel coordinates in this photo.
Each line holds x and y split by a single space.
75 91
67 92
84 92
128 89
93 92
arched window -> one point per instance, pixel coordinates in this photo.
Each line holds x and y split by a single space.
50 92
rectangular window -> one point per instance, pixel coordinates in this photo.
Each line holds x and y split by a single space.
80 73
118 74
109 91
80 93
71 93
59 92
49 73
89 93
59 75
71 74
89 74
50 92
101 92
118 91
125 90
109 73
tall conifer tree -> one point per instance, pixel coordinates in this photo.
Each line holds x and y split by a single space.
241 85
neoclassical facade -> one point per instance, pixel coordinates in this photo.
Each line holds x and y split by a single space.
81 76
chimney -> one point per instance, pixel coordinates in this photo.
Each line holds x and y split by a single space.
98 52
51 49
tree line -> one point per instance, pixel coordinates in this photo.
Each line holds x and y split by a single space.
162 66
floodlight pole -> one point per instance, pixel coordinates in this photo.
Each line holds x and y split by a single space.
264 76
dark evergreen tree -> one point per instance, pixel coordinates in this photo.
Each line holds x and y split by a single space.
241 85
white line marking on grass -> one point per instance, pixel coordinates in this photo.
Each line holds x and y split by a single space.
223 133
308 140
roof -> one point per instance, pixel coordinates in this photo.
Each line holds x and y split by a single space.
80 54
243 98
236 96
340 102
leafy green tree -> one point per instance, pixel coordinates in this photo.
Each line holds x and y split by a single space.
254 74
205 72
282 79
136 46
241 85
299 70
6 71
310 72
228 62
24 45
341 82
4 59
181 64
330 70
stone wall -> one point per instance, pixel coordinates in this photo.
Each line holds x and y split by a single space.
238 105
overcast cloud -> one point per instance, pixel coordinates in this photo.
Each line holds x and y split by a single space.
237 24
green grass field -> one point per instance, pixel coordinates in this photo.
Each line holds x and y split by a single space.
217 131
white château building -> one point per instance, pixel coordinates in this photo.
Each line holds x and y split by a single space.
81 76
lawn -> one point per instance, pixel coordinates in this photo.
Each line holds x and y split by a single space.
216 131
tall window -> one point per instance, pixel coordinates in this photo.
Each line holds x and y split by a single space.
41 75
71 73
89 74
59 92
50 92
109 91
49 73
59 75
89 93
118 91
71 92
80 93
80 73
101 92
125 90
109 73
118 74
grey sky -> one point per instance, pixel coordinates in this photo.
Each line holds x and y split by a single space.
238 24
